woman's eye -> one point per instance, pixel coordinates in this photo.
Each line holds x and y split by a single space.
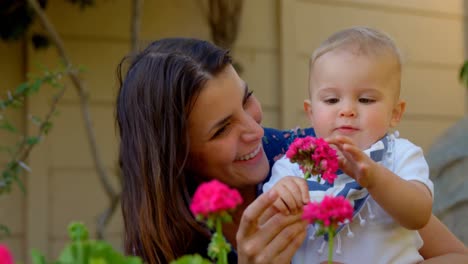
366 100
331 100
248 95
220 131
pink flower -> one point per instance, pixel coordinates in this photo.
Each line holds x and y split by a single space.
5 255
315 157
330 212
214 197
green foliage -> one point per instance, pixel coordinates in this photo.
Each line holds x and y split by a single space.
19 151
4 231
463 75
81 250
191 259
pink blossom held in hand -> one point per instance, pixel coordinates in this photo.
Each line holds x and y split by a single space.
5 255
315 157
331 211
213 197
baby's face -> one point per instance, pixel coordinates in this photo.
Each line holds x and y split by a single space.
354 95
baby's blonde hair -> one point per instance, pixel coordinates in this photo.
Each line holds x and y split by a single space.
369 41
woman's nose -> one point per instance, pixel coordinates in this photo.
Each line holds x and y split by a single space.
253 131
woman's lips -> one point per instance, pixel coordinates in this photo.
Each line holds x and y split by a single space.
250 155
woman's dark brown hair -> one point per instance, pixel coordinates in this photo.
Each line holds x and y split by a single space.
153 105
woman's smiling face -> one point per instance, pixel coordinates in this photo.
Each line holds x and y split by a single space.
225 133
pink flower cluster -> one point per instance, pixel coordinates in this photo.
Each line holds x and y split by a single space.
330 212
315 157
214 197
5 255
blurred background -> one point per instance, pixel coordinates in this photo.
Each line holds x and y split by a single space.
57 108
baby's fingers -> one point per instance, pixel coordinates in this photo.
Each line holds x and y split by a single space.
352 152
287 201
281 206
301 188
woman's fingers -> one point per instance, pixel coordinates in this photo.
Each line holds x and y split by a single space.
271 229
287 254
267 214
253 212
284 246
278 230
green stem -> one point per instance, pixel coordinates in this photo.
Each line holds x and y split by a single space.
222 257
330 245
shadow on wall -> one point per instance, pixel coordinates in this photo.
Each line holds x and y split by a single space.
448 164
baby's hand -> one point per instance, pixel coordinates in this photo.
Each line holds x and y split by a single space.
353 161
293 194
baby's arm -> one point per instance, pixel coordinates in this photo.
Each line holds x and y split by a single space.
408 202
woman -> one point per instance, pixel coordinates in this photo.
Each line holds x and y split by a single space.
185 117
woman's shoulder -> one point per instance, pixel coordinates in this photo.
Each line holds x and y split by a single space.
276 141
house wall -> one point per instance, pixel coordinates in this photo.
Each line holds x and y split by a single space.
12 205
275 40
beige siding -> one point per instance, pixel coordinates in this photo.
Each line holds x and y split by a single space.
76 191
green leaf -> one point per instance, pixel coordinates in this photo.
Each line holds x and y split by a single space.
33 140
22 88
6 125
19 182
36 85
82 69
81 250
47 126
463 75
78 232
37 257
191 259
4 231
97 261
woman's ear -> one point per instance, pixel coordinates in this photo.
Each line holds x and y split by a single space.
308 110
397 113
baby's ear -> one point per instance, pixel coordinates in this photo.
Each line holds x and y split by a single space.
397 113
308 110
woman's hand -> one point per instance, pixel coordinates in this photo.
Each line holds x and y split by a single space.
266 235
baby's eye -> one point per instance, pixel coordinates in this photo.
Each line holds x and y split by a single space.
366 100
331 100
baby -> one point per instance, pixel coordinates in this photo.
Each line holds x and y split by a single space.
354 88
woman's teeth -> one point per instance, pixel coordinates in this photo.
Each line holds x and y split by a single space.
251 155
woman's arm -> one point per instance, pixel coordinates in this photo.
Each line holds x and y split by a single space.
441 245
